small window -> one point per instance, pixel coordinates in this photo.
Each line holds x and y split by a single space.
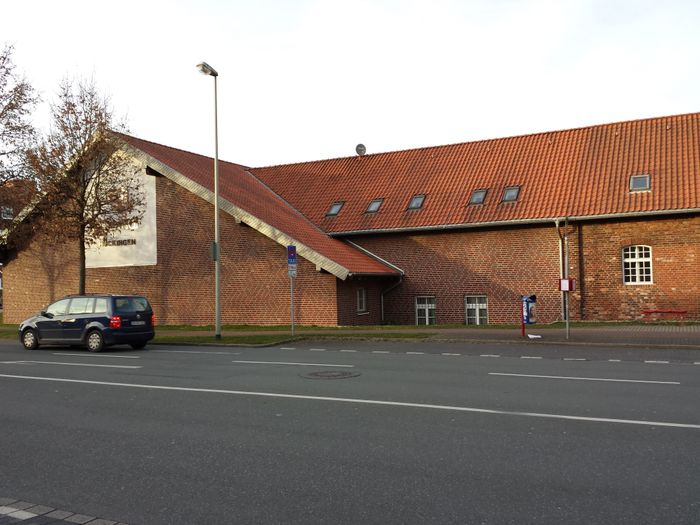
478 197
640 183
361 300
335 209
476 309
125 305
100 305
59 307
374 206
510 194
636 265
425 310
7 213
81 305
416 202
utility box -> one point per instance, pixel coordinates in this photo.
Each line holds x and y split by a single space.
528 310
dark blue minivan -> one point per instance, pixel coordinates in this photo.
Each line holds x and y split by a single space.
96 321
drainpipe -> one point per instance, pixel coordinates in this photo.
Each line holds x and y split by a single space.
381 297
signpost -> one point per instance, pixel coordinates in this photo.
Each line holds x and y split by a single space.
292 272
567 285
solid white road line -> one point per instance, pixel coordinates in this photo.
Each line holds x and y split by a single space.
100 355
291 364
368 402
193 352
587 378
70 364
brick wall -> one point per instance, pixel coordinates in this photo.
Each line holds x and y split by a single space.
254 282
501 264
675 250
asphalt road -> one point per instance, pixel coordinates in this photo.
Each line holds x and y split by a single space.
418 433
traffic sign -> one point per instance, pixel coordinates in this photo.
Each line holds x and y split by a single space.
291 254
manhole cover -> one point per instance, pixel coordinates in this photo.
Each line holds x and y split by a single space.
330 374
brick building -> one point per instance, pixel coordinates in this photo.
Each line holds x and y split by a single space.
447 234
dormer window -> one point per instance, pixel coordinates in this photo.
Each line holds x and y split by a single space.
374 206
416 202
510 194
335 209
6 212
478 197
640 182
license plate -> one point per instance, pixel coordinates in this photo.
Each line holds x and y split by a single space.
137 323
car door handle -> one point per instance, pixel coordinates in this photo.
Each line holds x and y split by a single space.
69 320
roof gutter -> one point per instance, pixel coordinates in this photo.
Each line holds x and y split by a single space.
522 222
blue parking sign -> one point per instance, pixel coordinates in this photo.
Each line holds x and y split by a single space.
291 254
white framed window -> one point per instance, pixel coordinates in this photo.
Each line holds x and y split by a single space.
478 197
476 309
510 194
361 300
335 209
416 202
640 183
7 212
425 310
636 265
374 206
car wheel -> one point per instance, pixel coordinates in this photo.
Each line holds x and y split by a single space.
139 345
95 341
29 339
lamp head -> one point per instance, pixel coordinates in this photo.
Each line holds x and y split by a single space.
206 69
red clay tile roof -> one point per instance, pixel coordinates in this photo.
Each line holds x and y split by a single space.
239 187
576 173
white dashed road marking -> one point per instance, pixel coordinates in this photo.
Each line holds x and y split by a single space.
287 348
574 359
317 349
489 355
530 357
194 352
447 353
369 402
291 364
657 362
587 378
66 364
100 355
348 350
380 352
415 353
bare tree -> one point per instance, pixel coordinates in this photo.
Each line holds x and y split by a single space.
86 180
17 101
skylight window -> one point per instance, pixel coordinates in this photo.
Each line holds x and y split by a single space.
478 197
510 194
640 182
416 202
374 206
335 209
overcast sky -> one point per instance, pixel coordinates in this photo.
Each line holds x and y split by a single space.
309 79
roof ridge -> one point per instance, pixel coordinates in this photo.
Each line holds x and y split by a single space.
508 137
180 150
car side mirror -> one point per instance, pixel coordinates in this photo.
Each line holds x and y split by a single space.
46 314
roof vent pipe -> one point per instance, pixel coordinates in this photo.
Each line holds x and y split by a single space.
360 149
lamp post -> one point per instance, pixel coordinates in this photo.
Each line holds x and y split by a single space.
206 69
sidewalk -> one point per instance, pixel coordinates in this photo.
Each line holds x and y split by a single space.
651 335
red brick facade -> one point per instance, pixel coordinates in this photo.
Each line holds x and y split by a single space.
254 283
501 263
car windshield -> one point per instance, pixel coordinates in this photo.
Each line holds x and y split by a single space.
125 305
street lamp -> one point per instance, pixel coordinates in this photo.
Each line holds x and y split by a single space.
206 69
